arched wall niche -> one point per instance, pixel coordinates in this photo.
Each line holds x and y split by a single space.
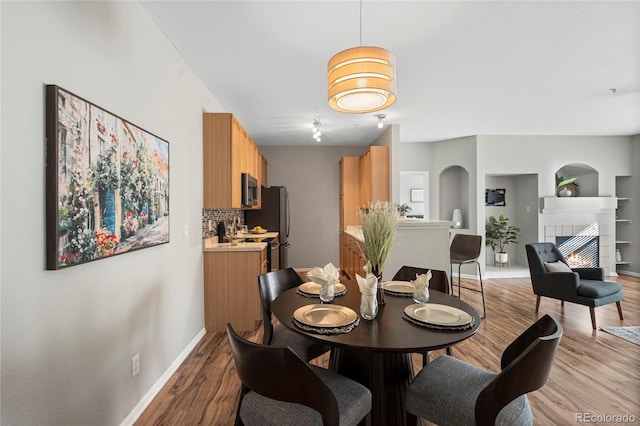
586 184
454 193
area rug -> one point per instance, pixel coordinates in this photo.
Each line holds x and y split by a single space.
631 334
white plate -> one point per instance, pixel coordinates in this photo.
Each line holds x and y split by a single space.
432 313
313 288
325 315
399 287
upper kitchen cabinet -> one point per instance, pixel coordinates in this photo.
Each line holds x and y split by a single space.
374 175
228 151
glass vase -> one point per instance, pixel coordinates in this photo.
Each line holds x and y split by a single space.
380 296
369 305
327 293
421 295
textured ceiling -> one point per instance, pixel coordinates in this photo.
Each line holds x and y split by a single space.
463 68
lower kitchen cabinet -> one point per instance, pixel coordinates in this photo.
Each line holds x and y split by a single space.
353 259
231 289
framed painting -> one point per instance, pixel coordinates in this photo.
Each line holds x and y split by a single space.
107 183
416 195
495 197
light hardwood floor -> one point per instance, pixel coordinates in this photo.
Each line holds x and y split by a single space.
594 372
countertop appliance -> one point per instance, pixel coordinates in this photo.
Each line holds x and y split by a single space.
274 216
250 190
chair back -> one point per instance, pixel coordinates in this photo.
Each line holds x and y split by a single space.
271 285
465 247
278 373
439 280
525 363
539 253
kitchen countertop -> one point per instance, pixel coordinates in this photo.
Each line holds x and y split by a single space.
403 224
255 236
212 245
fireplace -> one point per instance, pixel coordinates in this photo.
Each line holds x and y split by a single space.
580 251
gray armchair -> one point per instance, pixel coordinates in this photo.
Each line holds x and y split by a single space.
585 286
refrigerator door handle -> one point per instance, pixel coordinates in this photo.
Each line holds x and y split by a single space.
287 214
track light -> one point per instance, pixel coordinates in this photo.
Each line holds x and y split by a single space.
380 118
317 134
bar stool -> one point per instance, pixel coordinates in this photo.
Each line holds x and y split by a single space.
465 249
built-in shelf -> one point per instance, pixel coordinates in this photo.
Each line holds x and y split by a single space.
624 199
623 263
623 220
623 242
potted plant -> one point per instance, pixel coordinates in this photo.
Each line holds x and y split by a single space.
566 187
403 209
498 235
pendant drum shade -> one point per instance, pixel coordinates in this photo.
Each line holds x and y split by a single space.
361 79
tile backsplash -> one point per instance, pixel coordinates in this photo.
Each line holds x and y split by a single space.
215 216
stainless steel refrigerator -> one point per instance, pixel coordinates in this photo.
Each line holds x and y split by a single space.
274 216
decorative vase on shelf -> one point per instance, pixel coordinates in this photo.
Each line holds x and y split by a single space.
564 192
457 218
618 256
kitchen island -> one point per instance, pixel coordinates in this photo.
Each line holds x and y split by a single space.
231 284
419 243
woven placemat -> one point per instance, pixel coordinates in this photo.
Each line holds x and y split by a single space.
327 330
317 296
440 327
396 293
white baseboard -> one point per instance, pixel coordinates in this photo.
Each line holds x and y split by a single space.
157 386
633 274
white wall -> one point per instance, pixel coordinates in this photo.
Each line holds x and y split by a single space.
610 156
312 177
68 336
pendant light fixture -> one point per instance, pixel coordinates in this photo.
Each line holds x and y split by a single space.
361 79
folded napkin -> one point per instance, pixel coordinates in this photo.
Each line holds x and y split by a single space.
368 302
422 281
328 275
368 285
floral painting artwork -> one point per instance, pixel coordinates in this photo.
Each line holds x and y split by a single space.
107 183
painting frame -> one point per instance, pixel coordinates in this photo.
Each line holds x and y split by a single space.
107 183
416 195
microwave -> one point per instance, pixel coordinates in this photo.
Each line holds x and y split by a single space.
249 190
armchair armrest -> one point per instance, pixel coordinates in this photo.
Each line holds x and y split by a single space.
590 273
560 285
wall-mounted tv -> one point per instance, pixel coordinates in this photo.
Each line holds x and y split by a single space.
494 197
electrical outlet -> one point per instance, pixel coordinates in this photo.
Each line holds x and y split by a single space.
135 365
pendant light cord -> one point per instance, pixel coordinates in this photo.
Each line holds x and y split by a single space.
360 23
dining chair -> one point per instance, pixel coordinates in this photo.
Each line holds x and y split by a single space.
465 249
280 388
271 285
452 392
552 277
438 281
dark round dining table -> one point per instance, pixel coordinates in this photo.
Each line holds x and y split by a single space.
377 353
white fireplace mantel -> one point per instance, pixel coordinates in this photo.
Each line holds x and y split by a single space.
578 204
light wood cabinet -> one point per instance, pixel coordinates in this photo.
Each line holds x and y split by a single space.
374 175
228 151
231 289
363 180
349 199
354 260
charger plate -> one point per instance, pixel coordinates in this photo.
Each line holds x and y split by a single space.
325 315
313 289
398 288
440 315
